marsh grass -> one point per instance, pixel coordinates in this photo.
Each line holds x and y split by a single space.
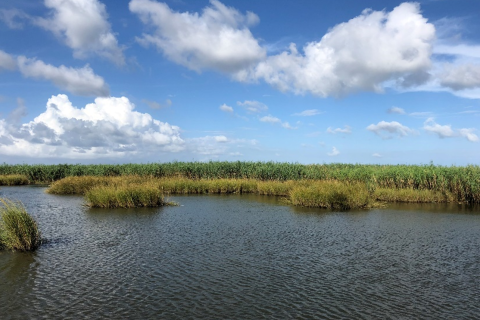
13 180
18 230
412 196
462 182
332 195
125 196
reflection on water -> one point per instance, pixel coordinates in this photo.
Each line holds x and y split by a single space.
243 257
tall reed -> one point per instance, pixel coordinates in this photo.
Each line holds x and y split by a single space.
18 230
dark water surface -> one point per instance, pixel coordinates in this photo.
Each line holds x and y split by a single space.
242 257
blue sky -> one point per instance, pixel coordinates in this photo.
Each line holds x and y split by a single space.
115 81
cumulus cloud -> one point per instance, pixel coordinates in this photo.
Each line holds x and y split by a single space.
307 113
82 81
388 129
446 131
218 38
334 152
226 108
461 77
253 106
7 62
358 55
376 155
108 127
346 129
84 27
396 110
157 105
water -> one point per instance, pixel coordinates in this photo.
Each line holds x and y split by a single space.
242 257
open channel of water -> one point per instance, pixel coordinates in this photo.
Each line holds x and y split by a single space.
242 257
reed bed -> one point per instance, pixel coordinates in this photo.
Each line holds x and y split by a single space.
18 230
13 180
110 192
412 196
462 182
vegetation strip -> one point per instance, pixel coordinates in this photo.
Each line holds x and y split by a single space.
462 183
135 191
18 230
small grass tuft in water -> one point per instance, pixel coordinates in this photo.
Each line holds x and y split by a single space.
13 180
332 195
18 230
125 196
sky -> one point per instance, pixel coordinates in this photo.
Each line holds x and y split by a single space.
308 81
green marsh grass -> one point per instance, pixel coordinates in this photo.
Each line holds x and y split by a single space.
13 180
412 196
332 195
18 230
311 193
125 196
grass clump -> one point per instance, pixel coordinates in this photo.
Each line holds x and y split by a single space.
412 195
13 180
18 230
332 195
125 196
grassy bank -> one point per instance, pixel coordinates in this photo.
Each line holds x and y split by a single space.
18 230
129 191
13 180
463 183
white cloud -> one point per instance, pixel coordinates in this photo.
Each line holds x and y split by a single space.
13 18
468 133
334 152
396 110
446 131
226 108
109 127
7 62
347 130
307 113
442 131
220 138
458 50
359 55
157 105
82 81
376 155
460 77
270 119
217 145
253 106
287 125
273 120
83 26
218 38
392 128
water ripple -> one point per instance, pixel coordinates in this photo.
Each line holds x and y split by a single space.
232 257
